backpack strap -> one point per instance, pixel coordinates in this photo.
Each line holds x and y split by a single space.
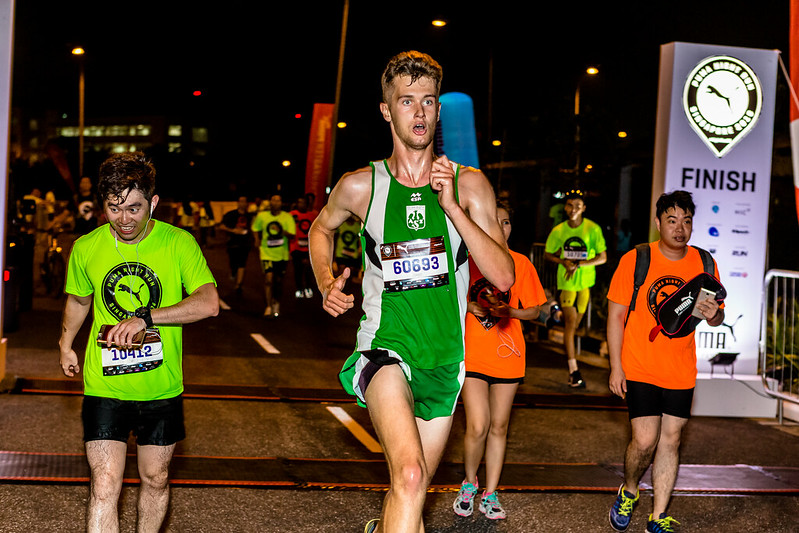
642 258
707 261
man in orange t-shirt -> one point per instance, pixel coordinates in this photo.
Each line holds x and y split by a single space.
656 377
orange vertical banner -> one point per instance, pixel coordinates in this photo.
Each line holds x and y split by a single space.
318 162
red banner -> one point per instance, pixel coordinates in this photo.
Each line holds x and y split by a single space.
793 57
318 163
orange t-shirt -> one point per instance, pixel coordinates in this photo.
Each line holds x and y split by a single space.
665 362
495 346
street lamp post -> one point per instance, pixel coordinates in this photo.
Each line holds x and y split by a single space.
339 76
81 93
591 71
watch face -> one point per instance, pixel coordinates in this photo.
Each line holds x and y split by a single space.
722 99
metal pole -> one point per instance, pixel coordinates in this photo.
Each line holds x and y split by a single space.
577 132
6 59
333 126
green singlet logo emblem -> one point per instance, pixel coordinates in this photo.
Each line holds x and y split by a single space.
415 216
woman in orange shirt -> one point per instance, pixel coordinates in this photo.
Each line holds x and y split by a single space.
495 366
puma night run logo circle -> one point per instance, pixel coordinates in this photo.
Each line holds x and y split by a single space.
575 249
303 226
348 238
660 290
129 286
485 295
274 229
722 99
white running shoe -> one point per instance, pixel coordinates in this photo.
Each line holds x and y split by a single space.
464 503
490 506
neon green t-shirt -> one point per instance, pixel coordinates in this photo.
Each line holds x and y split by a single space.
581 243
348 244
273 228
121 278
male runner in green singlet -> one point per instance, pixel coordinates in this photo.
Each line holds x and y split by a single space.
420 214
131 274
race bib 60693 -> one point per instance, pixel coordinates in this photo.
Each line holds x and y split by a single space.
415 264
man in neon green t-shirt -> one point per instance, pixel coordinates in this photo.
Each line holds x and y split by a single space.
274 229
577 246
131 273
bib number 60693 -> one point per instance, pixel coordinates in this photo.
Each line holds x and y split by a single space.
424 264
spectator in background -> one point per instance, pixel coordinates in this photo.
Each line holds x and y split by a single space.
205 222
303 275
236 223
274 229
86 207
347 249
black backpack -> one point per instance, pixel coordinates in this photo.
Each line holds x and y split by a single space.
678 321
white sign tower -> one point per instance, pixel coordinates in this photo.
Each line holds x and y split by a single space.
714 139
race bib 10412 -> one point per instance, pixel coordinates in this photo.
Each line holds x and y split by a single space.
149 356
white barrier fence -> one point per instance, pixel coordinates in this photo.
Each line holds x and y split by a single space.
779 336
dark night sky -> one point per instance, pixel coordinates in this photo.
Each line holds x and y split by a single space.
259 64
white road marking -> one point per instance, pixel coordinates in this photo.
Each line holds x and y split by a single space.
265 344
356 429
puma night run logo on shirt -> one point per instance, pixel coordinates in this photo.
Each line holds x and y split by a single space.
485 295
660 290
349 239
129 286
575 249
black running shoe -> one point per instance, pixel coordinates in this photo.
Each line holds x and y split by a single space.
576 380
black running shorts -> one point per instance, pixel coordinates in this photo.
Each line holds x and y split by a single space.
153 423
491 380
645 399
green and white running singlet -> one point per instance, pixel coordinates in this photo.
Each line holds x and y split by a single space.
121 278
416 275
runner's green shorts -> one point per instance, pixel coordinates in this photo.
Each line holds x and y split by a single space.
435 391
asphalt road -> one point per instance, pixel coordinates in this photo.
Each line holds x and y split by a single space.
564 449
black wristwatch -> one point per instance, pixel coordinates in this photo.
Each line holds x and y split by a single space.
144 314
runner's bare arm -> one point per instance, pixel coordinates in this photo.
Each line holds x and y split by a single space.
200 304
76 309
476 221
349 197
599 259
617 381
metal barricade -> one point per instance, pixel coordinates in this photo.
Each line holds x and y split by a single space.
779 336
547 270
